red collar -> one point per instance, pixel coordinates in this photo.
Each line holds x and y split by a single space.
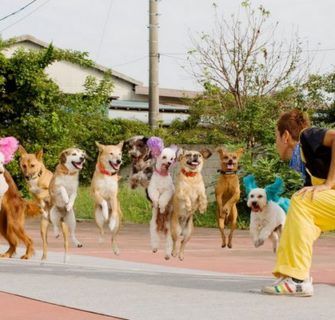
104 171
162 174
189 173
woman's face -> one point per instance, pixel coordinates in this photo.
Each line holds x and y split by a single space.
284 145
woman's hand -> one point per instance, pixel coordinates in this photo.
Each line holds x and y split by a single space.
313 190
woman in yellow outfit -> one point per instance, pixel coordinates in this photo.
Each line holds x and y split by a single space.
312 209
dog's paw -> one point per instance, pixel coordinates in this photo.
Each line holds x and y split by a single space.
258 243
68 207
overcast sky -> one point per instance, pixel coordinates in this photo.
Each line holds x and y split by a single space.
120 40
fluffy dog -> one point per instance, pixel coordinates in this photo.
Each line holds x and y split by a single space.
63 192
189 197
104 189
227 192
37 176
160 191
267 216
142 161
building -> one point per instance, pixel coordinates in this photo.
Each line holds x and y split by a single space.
129 99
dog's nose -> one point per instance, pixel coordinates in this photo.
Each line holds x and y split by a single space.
230 161
195 157
118 161
27 177
254 203
82 158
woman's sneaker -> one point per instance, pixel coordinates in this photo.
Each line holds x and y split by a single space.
287 286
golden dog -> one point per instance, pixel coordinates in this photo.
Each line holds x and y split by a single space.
227 192
189 197
104 189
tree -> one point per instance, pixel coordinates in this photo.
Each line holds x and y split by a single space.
244 58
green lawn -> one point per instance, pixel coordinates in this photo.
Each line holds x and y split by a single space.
137 209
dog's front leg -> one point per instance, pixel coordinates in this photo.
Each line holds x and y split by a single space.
64 196
164 200
99 200
113 203
202 202
263 235
71 201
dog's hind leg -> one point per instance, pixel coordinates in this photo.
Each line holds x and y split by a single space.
55 220
100 221
274 238
70 220
20 233
186 233
154 236
65 232
221 224
233 218
115 230
168 241
44 233
12 241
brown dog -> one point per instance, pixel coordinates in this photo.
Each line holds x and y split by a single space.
227 192
189 197
12 215
38 178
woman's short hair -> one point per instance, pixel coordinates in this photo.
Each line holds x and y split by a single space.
294 122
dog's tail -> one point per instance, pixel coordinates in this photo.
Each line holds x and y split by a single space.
32 208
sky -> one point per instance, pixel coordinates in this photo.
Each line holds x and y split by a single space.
115 33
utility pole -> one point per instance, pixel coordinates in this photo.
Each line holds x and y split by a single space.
153 65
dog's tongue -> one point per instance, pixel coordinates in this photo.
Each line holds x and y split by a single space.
230 166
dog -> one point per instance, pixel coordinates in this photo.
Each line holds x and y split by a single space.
63 192
160 191
189 197
267 216
37 176
227 193
141 161
13 211
104 190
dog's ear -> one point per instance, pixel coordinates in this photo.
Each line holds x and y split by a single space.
206 153
221 151
145 139
39 155
240 152
100 146
63 155
179 154
120 144
22 151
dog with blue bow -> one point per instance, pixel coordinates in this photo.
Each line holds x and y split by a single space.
268 210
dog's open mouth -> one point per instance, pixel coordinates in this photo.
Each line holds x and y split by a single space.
256 208
165 168
193 164
78 165
230 166
115 166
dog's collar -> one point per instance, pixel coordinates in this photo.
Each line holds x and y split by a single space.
227 172
103 170
162 174
188 173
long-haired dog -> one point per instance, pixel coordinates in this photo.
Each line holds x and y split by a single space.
104 190
63 192
13 207
160 192
227 192
189 197
141 161
267 210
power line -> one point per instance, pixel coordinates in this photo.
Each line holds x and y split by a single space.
17 11
104 28
27 15
129 62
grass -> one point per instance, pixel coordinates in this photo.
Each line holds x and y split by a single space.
137 209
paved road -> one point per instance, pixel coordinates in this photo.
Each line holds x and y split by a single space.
211 283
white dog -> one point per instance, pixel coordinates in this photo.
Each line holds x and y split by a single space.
63 191
267 216
160 191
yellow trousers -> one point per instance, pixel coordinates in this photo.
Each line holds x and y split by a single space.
305 221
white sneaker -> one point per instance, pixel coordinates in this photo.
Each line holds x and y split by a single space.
286 286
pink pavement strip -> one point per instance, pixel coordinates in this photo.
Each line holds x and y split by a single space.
203 251
15 307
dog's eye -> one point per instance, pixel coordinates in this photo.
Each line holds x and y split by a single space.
74 154
164 157
200 155
260 196
234 157
112 154
251 196
32 166
225 157
24 166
